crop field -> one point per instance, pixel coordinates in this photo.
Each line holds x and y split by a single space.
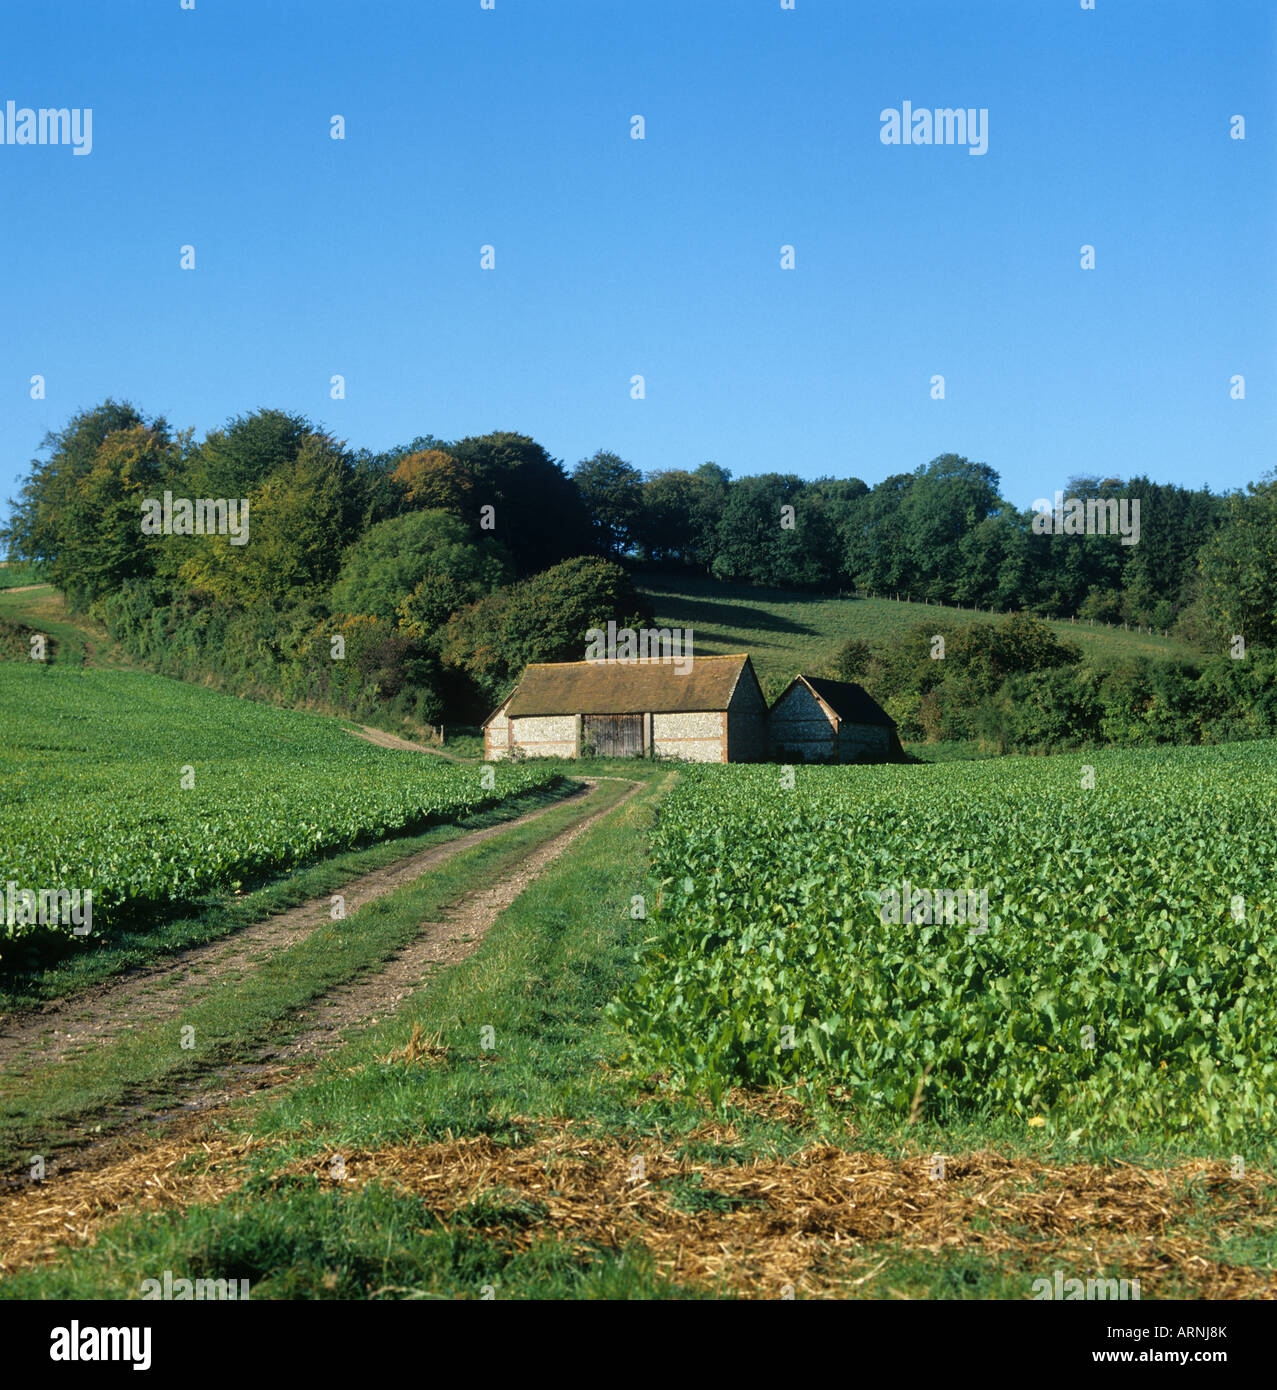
1118 980
94 764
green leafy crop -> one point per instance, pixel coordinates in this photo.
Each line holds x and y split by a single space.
92 765
1125 978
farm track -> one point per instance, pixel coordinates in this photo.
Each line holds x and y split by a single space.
385 740
456 933
162 990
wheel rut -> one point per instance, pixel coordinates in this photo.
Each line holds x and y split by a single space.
99 1137
162 989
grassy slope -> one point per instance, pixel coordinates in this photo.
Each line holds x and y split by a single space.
77 639
134 700
784 632
787 632
14 575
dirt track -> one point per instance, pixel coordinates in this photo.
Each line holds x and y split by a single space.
457 934
385 740
162 990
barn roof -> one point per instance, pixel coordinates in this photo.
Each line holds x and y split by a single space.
852 703
627 687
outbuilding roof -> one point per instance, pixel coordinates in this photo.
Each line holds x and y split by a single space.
626 687
852 703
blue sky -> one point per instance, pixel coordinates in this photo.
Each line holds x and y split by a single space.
659 257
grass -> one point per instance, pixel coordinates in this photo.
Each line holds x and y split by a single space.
77 639
554 1079
465 741
14 574
232 1019
788 632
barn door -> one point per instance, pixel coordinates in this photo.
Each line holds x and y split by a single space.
613 735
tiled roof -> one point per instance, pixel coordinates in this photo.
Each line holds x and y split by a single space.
852 703
626 687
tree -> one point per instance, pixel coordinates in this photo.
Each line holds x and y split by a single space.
433 479
237 460
612 492
988 652
946 500
45 515
1239 566
665 527
297 524
712 485
771 533
425 554
874 556
537 511
104 545
544 618
852 660
993 564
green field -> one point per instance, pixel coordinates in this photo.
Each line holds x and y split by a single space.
14 575
785 633
510 1171
94 764
1119 977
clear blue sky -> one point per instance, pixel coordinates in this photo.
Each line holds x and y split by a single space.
659 257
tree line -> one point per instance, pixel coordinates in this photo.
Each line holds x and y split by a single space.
1203 562
444 566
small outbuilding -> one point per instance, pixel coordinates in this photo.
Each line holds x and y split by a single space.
817 720
712 711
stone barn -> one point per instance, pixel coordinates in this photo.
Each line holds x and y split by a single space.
712 712
816 720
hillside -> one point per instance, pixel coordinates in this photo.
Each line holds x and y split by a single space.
77 639
787 632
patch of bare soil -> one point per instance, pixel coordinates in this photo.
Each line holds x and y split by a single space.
457 934
161 990
385 740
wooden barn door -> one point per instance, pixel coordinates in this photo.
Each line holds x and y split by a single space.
613 735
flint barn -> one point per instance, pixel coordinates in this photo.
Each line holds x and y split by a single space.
712 712
817 720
